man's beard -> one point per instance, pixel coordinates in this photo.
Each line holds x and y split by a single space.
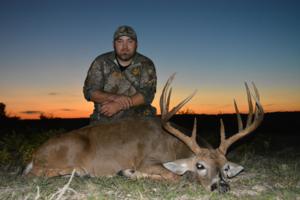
125 56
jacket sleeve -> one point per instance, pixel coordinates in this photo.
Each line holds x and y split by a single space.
148 82
94 80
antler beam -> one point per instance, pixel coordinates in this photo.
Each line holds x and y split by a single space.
251 125
166 115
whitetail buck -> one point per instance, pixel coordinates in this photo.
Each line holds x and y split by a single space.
147 148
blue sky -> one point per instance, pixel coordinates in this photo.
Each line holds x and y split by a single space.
213 45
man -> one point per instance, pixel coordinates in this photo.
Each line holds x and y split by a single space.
121 83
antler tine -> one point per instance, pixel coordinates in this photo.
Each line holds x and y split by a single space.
181 104
251 124
165 101
222 131
194 132
256 91
189 141
258 108
166 115
250 115
168 100
238 116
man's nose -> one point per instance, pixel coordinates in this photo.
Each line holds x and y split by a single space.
124 46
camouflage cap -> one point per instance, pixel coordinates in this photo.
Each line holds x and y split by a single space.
125 31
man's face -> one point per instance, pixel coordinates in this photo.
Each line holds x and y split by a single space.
125 48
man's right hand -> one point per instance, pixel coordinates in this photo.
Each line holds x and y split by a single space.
124 101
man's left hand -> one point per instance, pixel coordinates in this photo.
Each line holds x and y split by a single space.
110 108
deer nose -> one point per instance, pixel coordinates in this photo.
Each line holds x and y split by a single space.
223 186
213 187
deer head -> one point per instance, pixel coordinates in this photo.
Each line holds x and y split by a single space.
209 166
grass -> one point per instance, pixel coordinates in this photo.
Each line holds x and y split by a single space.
269 174
278 182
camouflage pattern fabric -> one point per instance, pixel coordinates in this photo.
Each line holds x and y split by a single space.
105 75
125 31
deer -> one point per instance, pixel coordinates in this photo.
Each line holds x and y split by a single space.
153 148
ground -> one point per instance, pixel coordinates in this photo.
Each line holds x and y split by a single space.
265 177
271 162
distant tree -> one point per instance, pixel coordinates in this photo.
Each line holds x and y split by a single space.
44 116
2 111
4 115
187 111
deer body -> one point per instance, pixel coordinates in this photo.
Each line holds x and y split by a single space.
150 148
137 143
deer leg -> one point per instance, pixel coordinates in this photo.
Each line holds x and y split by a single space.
51 172
154 172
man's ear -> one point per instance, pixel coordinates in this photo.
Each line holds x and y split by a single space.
231 169
180 166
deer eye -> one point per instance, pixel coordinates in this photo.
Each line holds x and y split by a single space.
200 166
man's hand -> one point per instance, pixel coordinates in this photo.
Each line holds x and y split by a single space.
124 101
109 108
114 104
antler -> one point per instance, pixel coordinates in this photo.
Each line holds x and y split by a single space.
166 115
252 123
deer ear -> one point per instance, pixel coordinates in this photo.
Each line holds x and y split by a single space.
231 169
178 167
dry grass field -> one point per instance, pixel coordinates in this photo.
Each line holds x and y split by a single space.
271 157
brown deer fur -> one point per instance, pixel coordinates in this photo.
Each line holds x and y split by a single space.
144 147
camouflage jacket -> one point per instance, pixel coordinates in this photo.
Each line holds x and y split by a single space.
105 75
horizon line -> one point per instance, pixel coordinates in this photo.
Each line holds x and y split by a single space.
86 117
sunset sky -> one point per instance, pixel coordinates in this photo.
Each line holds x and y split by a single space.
46 48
